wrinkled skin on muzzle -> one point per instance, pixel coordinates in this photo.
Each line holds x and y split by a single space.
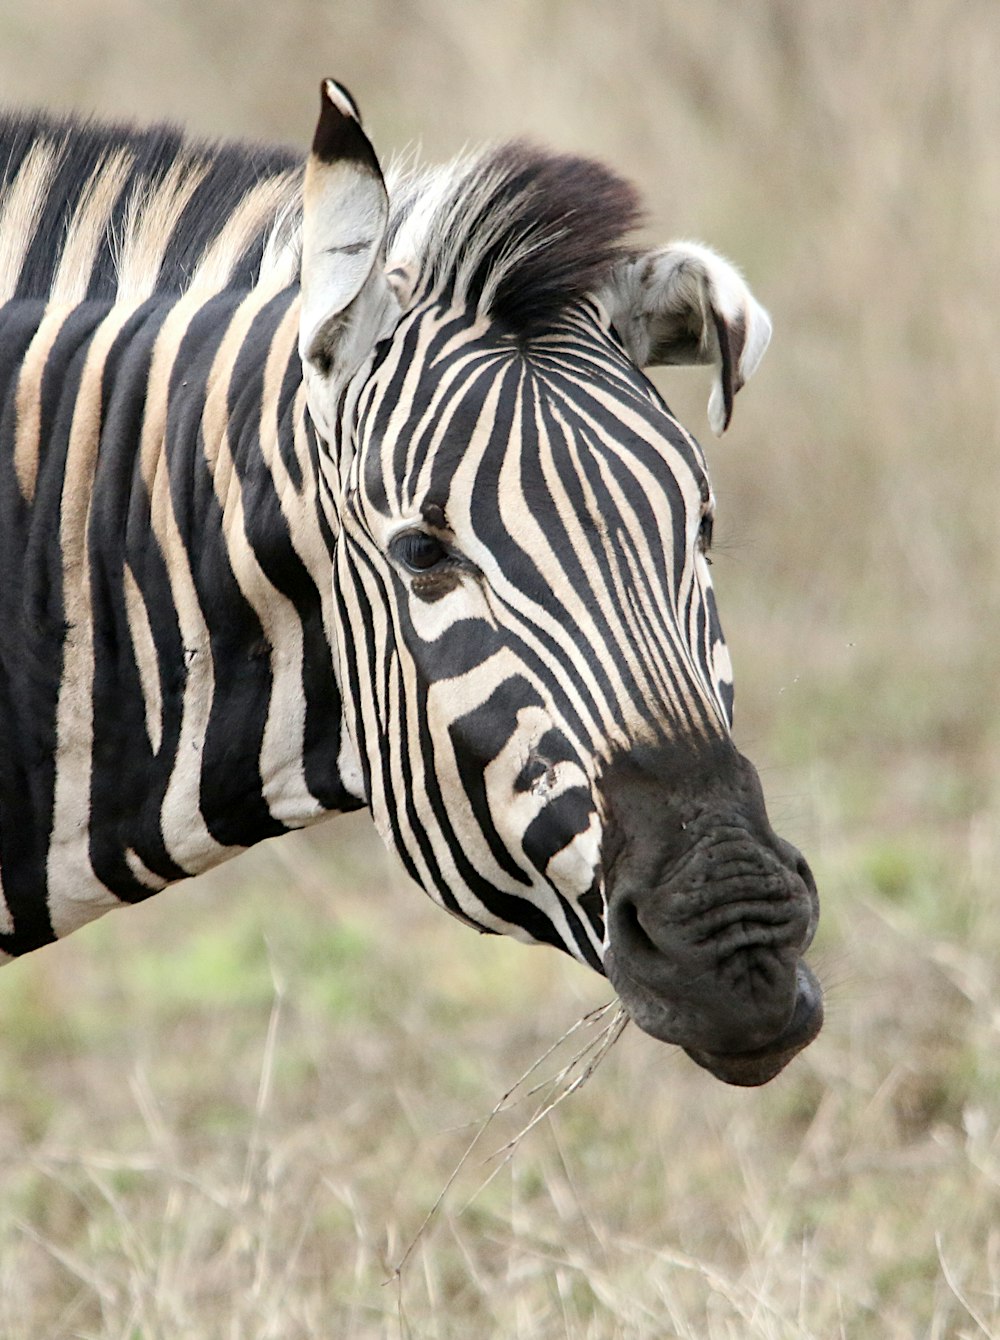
708 911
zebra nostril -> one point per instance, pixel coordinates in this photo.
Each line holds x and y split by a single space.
631 935
805 874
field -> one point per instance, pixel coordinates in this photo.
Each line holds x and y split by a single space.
230 1112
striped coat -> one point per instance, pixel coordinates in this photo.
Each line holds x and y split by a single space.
318 492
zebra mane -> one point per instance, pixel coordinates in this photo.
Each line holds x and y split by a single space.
514 231
90 210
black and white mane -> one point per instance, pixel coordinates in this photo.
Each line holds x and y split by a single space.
117 201
110 212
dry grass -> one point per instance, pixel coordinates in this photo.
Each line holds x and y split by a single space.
228 1113
236 1126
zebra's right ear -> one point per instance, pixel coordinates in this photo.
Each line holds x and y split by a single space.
684 303
347 303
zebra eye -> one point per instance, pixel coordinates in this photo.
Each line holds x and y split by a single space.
417 551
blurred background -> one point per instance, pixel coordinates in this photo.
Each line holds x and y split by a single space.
228 1112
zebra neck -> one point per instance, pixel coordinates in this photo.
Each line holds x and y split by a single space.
252 576
167 687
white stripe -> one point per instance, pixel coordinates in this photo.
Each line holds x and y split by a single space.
250 215
284 787
88 228
154 211
142 873
28 400
146 661
185 834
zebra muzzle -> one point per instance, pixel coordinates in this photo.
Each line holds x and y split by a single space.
758 1065
709 914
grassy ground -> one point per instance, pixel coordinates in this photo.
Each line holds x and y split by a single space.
228 1112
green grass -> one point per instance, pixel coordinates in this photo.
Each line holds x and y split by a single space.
228 1112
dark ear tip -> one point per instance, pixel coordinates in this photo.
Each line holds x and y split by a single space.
729 372
339 136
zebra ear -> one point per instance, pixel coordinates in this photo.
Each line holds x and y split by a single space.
683 303
347 303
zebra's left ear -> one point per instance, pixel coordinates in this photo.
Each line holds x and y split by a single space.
347 302
683 303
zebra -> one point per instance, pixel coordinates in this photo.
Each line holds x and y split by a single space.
323 488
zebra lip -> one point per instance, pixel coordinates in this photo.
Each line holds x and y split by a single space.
751 1068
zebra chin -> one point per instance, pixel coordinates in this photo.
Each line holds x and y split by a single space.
709 914
677 1020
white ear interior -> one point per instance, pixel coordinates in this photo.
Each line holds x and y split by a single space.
342 230
347 302
683 303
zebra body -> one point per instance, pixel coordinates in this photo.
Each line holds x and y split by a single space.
158 520
316 495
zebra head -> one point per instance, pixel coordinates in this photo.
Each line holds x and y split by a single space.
539 694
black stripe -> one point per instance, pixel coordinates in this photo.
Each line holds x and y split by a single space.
29 662
267 532
128 782
32 612
232 802
285 411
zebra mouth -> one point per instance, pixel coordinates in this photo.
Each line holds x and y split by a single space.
749 1069
709 914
